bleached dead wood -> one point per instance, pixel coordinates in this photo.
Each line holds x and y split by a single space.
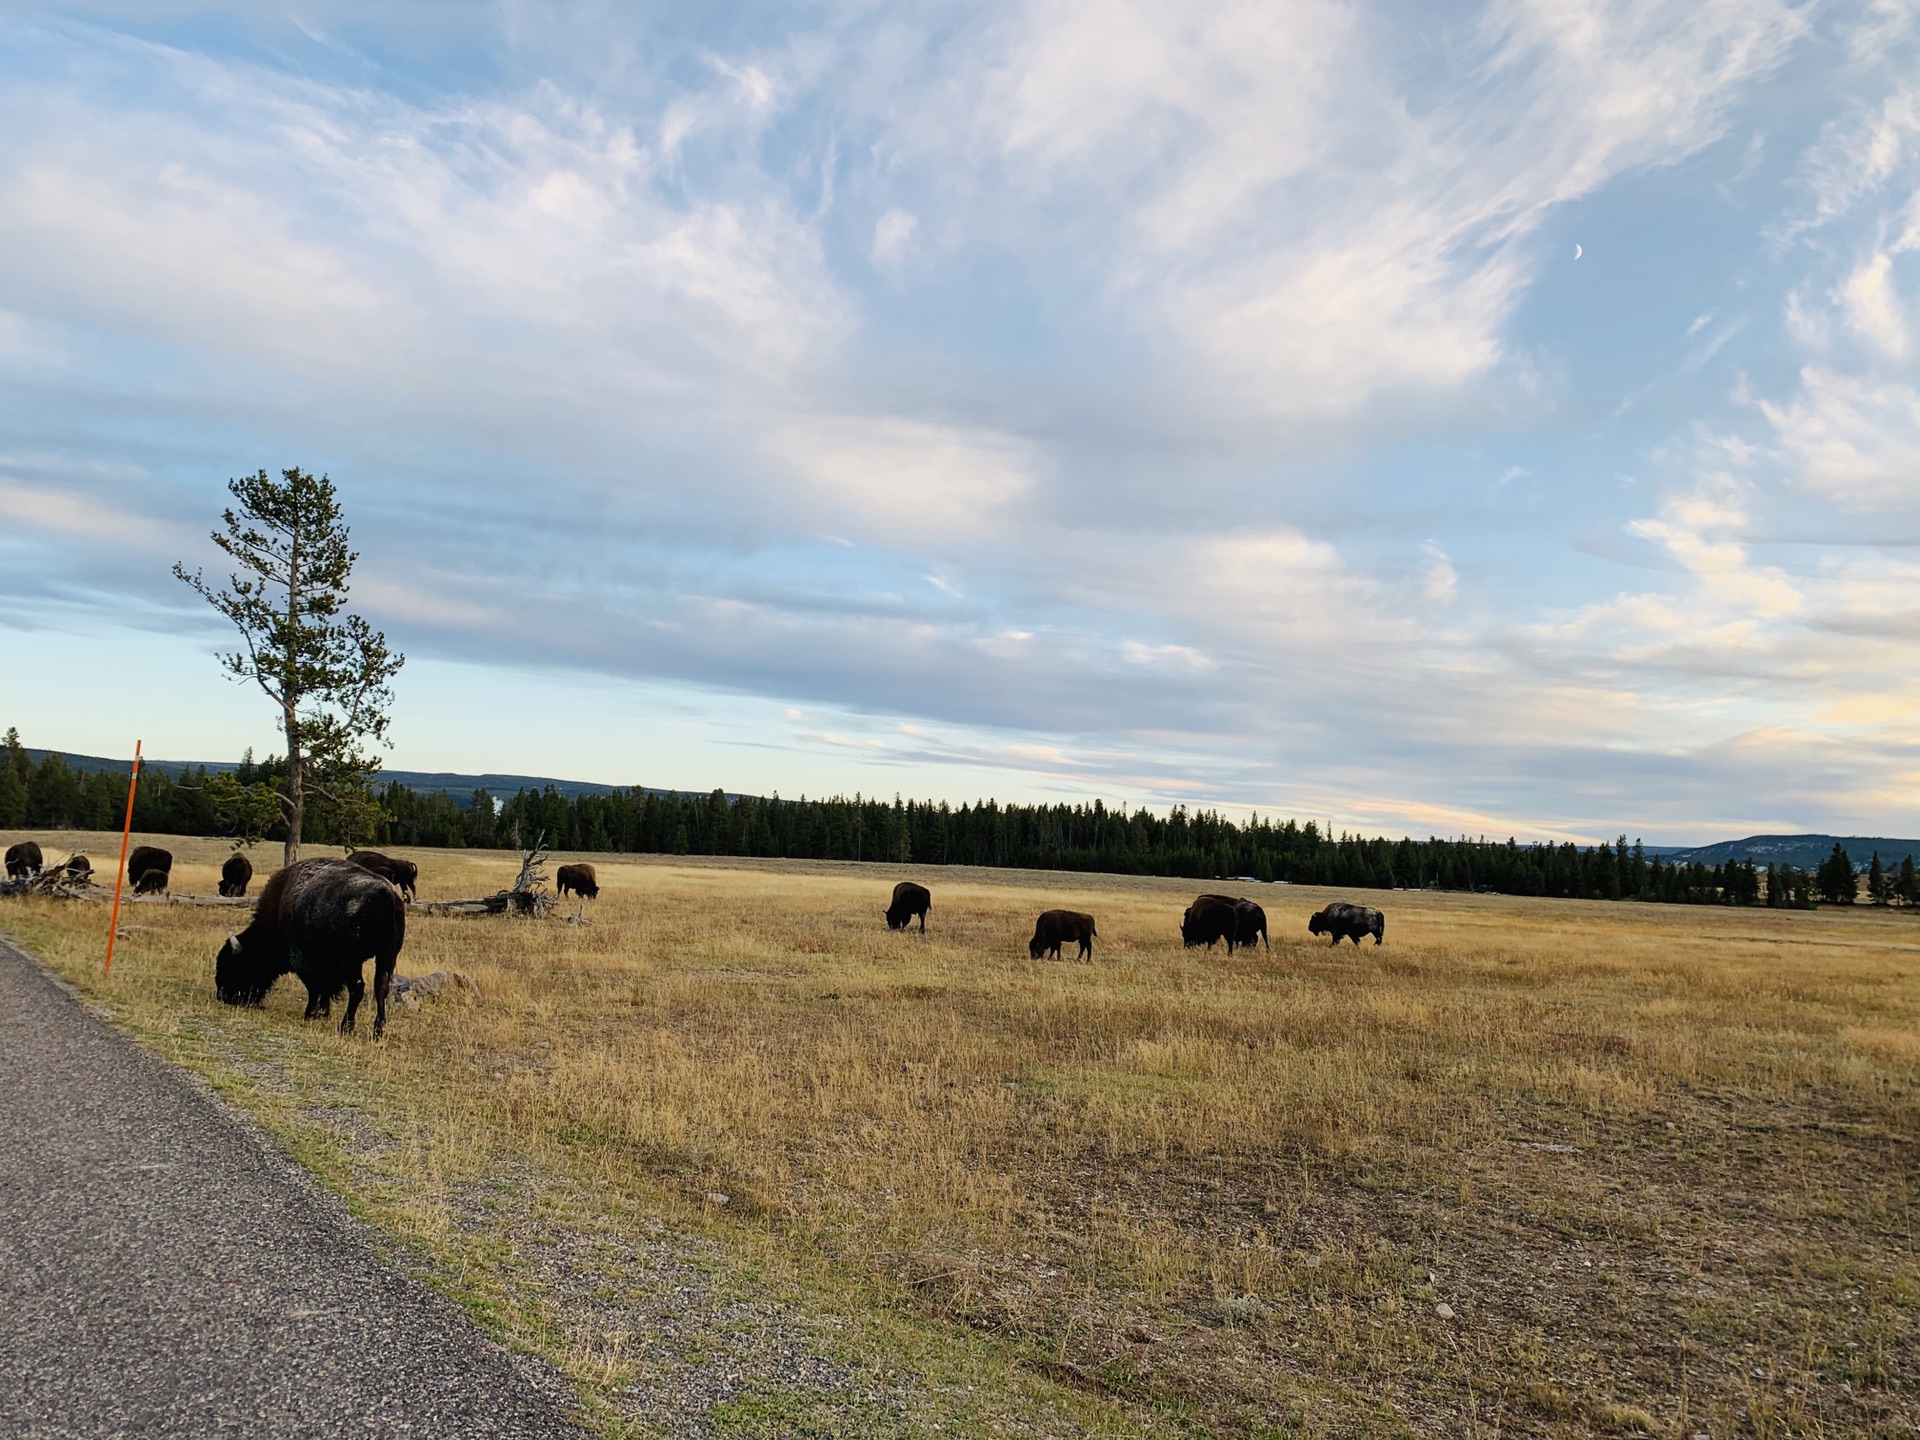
528 895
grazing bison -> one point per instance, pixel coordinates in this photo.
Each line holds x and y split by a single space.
319 920
909 900
1209 919
1054 928
145 858
579 879
1203 924
235 875
401 874
79 869
1348 922
24 860
152 882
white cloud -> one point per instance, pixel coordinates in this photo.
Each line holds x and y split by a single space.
1873 307
1854 438
892 235
902 478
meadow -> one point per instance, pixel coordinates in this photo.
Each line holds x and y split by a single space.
1530 1167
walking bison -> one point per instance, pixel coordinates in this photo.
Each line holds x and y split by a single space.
403 875
1348 922
579 879
1055 928
909 900
235 875
320 920
24 860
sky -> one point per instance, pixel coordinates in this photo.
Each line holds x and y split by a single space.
1424 418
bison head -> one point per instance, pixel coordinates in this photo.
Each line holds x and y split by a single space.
243 974
1036 947
1318 924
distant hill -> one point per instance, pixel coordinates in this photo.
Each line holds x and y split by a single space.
1801 851
459 788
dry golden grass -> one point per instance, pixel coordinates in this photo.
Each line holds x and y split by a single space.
1659 1163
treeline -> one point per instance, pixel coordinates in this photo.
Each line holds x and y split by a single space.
1199 845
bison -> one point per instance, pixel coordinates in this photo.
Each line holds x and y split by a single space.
152 882
1348 922
401 874
1210 919
145 858
24 860
1204 923
579 879
79 869
235 875
1055 927
319 920
909 900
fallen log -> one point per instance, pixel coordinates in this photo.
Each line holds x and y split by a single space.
502 902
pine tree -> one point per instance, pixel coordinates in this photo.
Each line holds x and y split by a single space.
326 672
1907 887
1835 879
1879 886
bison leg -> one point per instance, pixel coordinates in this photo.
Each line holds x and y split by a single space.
923 922
356 992
382 985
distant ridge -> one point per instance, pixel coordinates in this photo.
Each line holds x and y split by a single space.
459 788
1801 851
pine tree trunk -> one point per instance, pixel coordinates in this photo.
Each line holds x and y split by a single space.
290 709
296 788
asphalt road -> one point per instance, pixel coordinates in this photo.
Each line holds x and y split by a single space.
165 1272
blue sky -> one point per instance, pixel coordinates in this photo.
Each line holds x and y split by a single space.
1164 402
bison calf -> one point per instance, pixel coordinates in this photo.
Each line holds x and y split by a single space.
152 882
1348 922
319 920
1054 928
235 875
79 869
578 879
401 874
909 900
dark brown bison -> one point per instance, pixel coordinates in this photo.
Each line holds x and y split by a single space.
1054 928
145 858
403 875
79 869
24 860
909 900
235 875
1253 922
1203 923
152 882
319 920
1348 922
1210 919
579 879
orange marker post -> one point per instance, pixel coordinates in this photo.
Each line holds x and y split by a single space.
120 875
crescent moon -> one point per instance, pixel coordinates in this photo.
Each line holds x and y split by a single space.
1576 252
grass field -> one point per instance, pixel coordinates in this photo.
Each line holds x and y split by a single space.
1531 1167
